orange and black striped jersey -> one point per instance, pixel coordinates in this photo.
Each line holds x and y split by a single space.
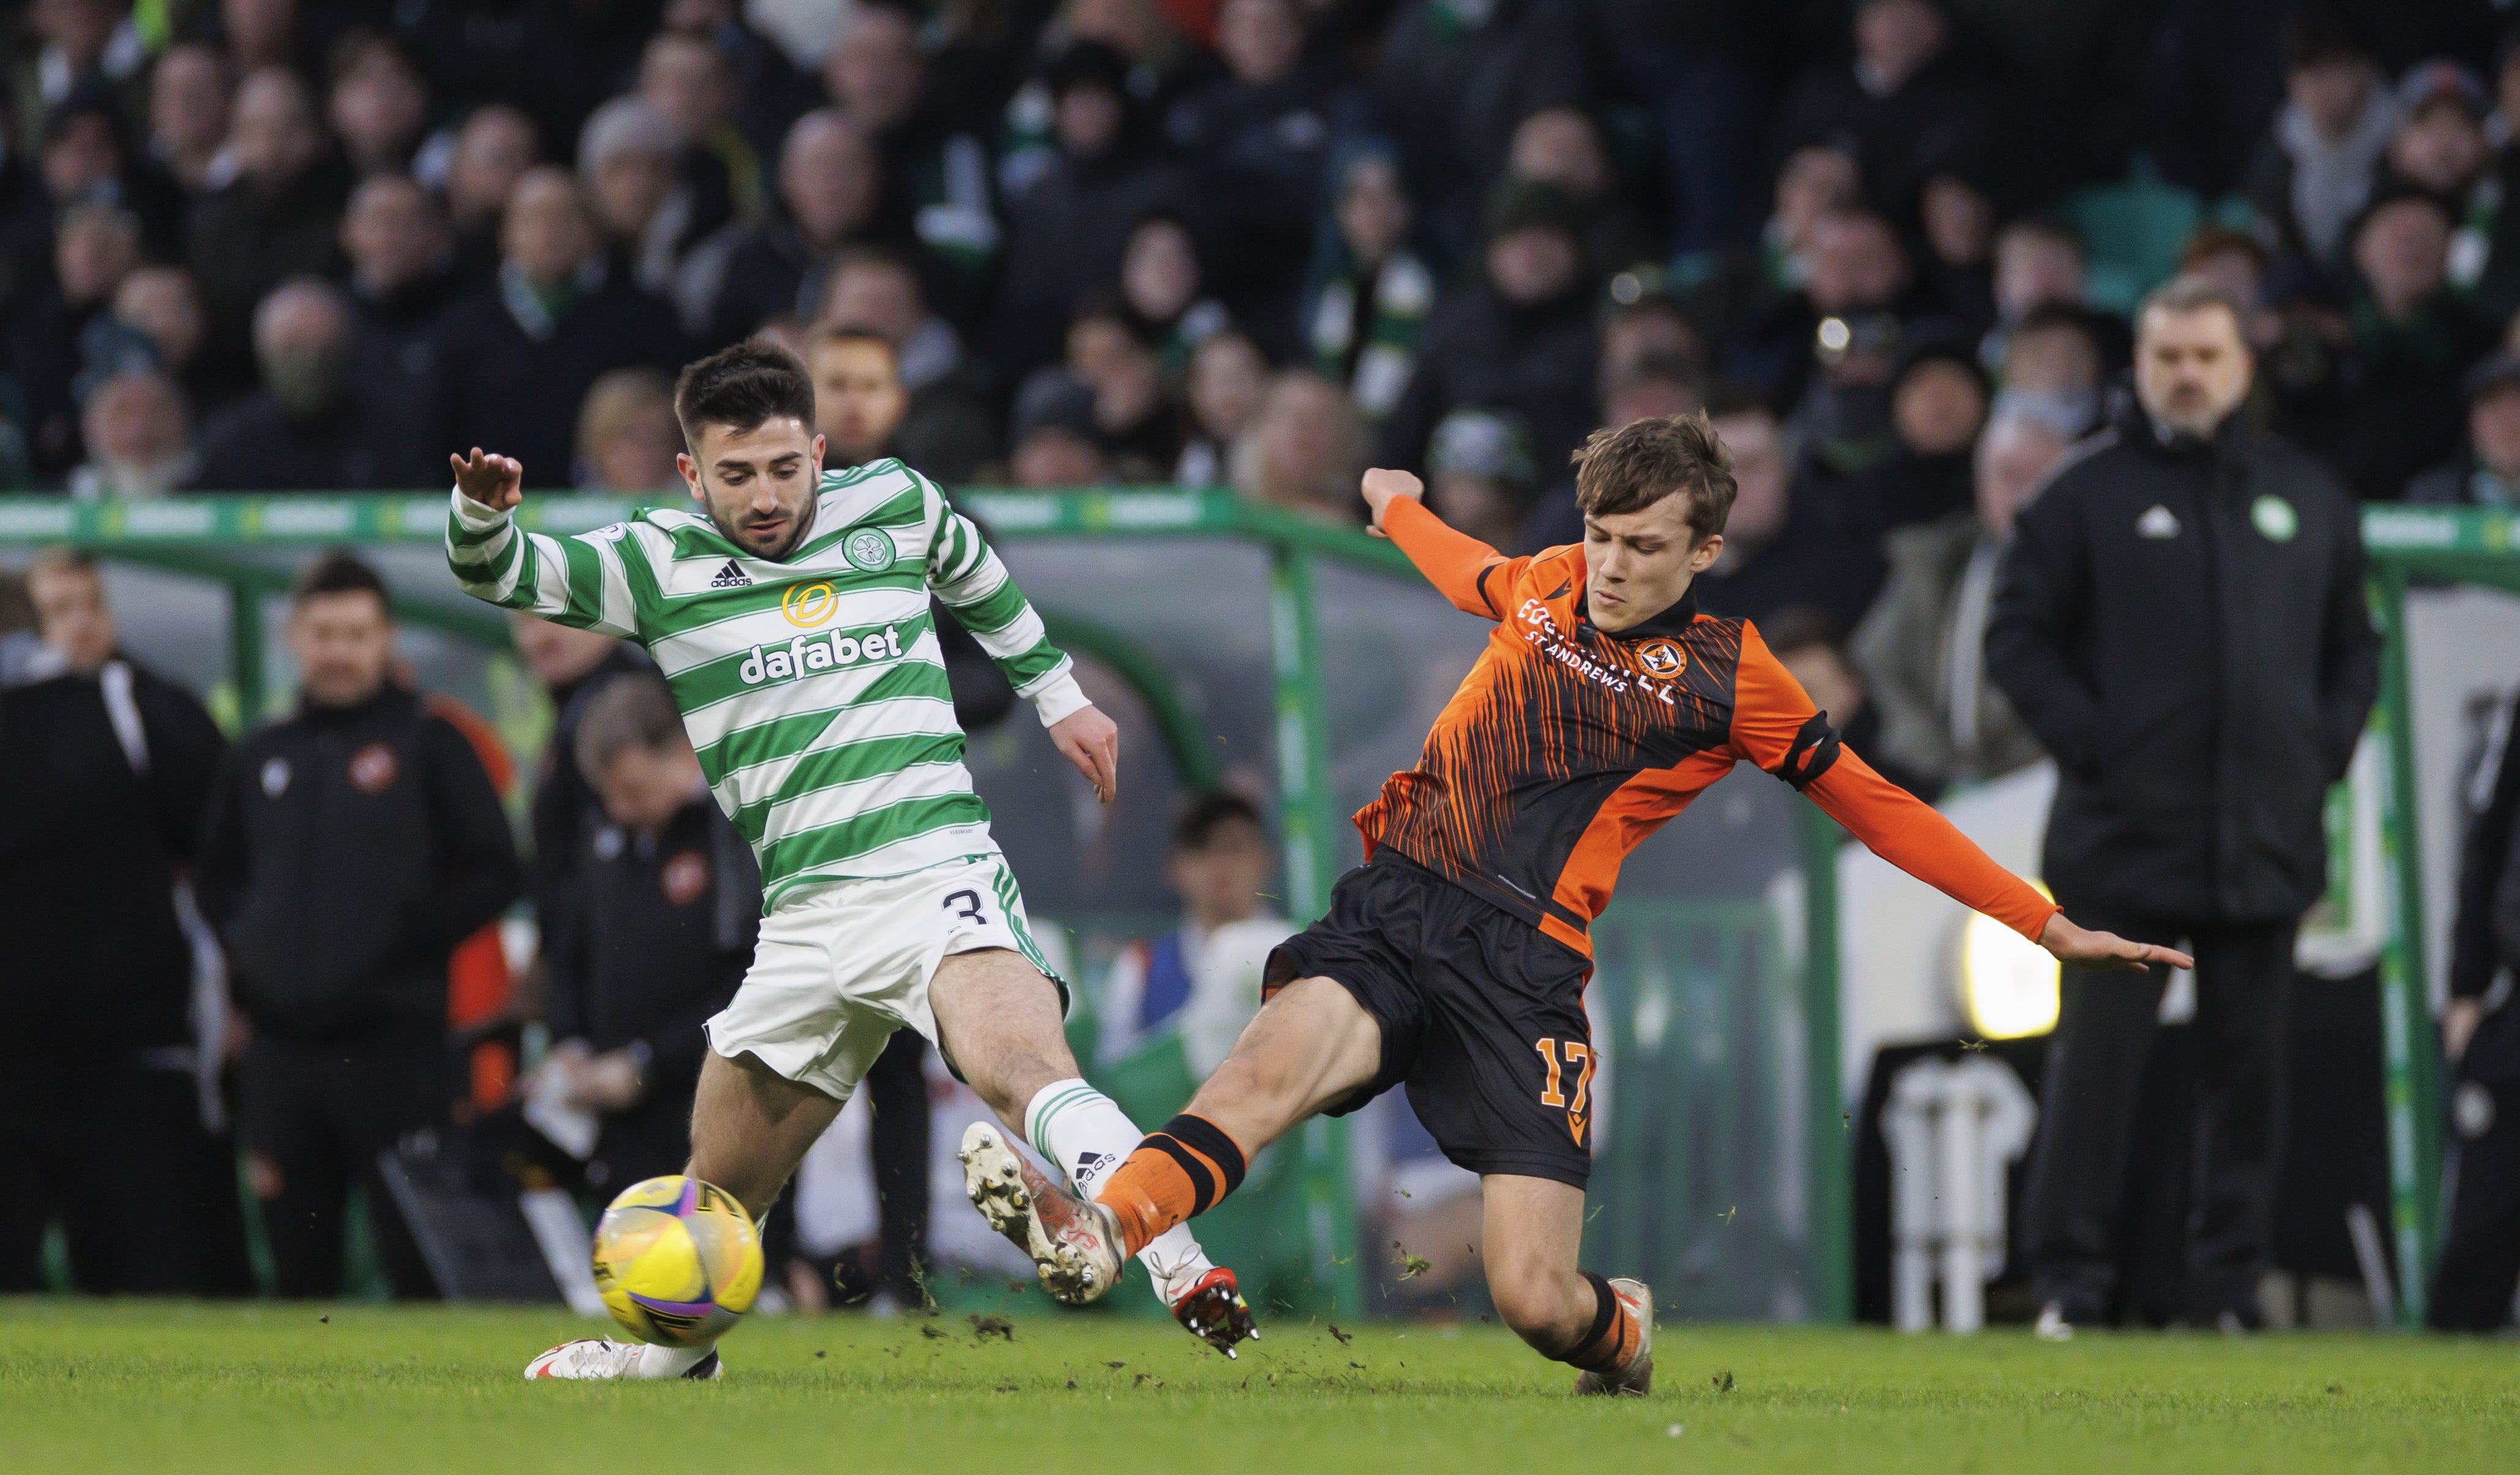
1567 744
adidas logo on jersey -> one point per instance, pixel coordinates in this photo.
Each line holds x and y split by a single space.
803 655
730 577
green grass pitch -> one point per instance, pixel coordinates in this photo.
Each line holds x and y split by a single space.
275 1390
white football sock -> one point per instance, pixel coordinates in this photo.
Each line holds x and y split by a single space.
657 1361
1088 1135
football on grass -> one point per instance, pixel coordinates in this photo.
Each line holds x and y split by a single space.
677 1260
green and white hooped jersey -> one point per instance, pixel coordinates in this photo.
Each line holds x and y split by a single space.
813 687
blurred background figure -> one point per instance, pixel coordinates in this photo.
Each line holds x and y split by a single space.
348 848
119 1120
627 436
1200 983
139 439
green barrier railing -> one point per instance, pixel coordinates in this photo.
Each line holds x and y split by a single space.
215 537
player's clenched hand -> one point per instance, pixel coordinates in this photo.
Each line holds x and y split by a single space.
1380 486
497 482
2088 949
1091 741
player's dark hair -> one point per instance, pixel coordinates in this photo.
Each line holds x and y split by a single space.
742 387
1208 811
1638 464
626 712
337 571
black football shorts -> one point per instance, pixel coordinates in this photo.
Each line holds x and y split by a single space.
1482 1016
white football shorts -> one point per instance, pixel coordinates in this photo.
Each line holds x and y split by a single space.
842 965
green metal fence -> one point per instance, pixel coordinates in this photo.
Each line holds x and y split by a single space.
1683 985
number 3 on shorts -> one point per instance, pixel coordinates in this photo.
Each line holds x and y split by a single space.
967 904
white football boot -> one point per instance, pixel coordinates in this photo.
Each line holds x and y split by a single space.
1637 1377
591 1358
1074 1242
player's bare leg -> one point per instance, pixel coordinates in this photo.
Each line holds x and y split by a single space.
997 1022
1534 1240
751 1127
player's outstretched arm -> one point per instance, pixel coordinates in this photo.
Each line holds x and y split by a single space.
575 581
1462 568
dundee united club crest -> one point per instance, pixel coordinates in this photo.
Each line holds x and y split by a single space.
869 549
1662 658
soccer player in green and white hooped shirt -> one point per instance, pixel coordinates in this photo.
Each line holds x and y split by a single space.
789 616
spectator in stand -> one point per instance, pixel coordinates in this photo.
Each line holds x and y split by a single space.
669 902
1304 452
1811 646
402 279
263 33
2039 265
1255 144
1561 147
2313 172
1163 287
654 224
189 92
139 439
1135 419
313 426
278 218
2488 472
1938 404
1227 378
686 80
2440 148
1069 229
2165 590
79 41
162 304
1921 650
2498 287
493 150
101 801
86 159
517 354
97 247
950 426
1521 338
1784 546
1480 478
1453 82
2050 361
348 848
1906 93
1366 311
832 190
937 174
627 436
1645 323
1956 215
1858 276
2389 405
379 105
1055 442
859 401
769 92
1657 388
2480 1257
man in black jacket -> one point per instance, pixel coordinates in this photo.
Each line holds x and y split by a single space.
669 902
103 771
2180 620
2480 1256
348 849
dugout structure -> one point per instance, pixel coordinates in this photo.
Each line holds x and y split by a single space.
1249 646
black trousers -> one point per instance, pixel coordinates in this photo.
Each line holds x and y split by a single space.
317 1116
896 1088
2077 1168
2480 1257
116 1153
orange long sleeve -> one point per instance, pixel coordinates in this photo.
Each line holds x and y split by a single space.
1771 712
1460 567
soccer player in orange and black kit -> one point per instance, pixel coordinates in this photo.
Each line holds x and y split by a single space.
1455 958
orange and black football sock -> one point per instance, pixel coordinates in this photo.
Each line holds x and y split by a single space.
1179 1172
1612 1340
